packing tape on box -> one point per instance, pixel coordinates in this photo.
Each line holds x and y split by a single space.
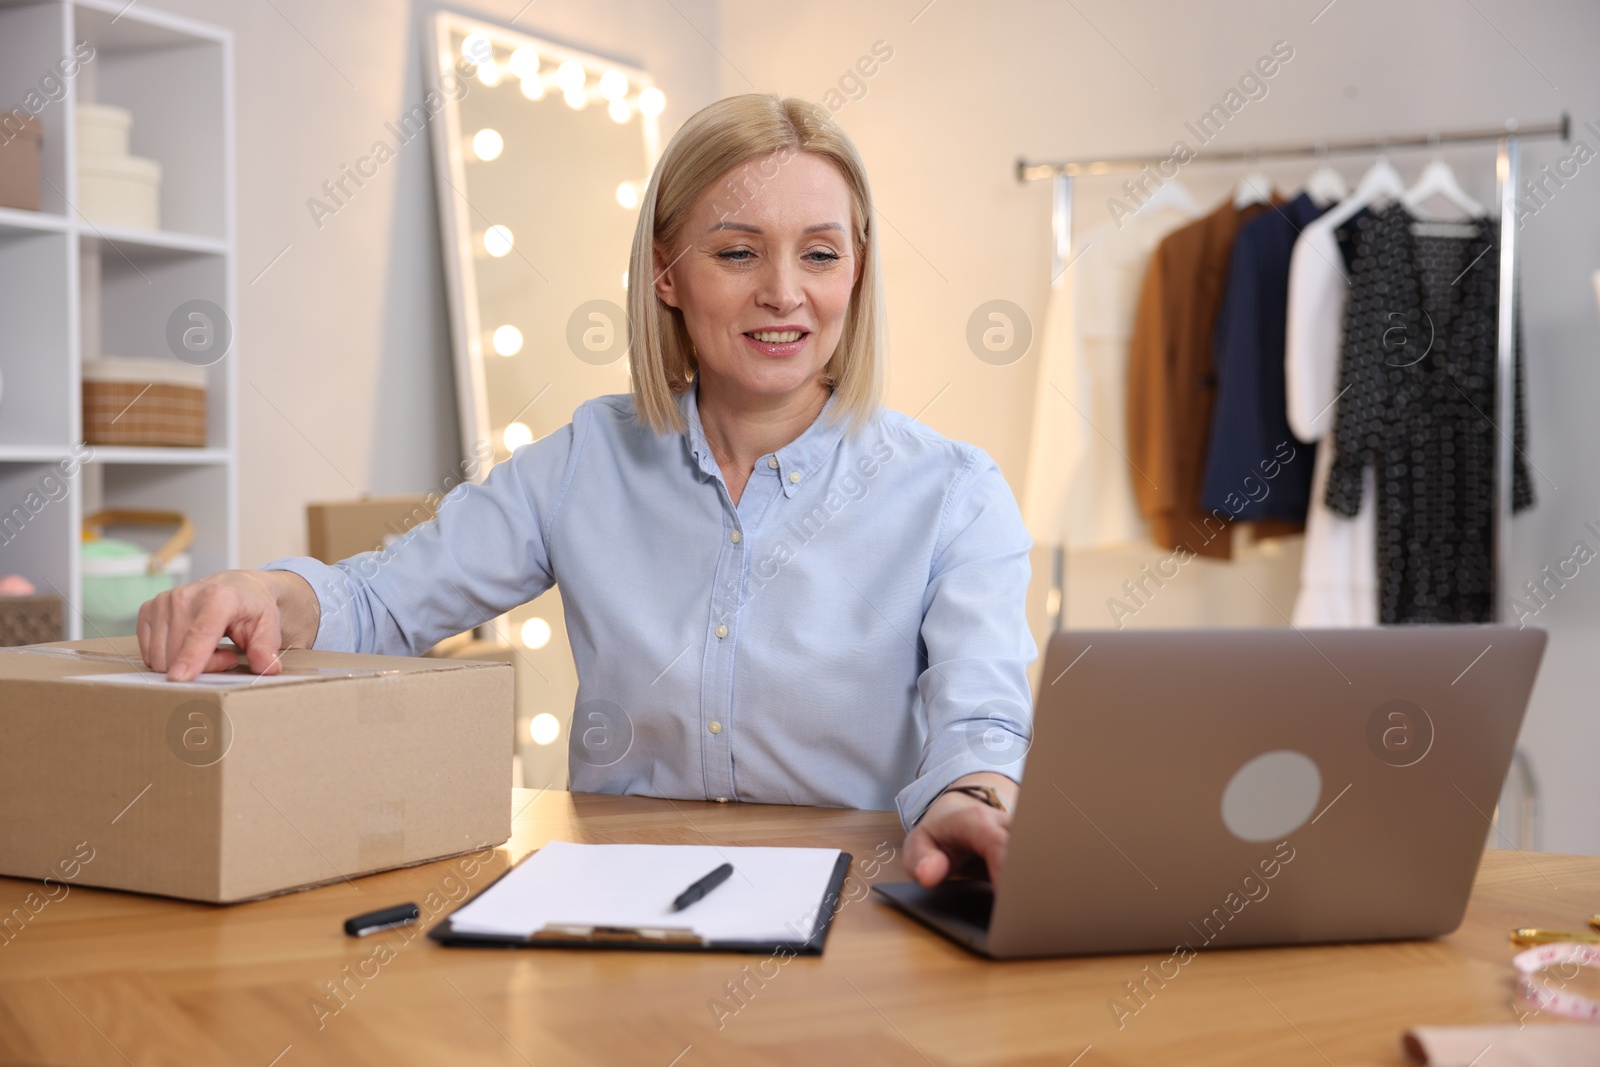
76 653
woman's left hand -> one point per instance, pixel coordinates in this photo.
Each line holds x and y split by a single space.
956 827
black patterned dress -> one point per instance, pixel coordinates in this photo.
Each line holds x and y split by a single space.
1417 404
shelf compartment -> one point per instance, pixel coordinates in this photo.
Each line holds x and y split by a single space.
151 65
34 51
36 519
36 372
202 492
129 295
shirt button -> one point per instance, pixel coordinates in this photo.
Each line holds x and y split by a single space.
735 536
794 476
722 630
715 727
772 461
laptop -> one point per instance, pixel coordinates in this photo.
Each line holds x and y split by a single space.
1196 789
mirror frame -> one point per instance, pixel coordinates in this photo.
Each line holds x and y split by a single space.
455 212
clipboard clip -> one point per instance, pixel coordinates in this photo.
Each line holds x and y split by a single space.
672 935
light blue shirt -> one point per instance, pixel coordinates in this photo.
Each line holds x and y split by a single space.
850 634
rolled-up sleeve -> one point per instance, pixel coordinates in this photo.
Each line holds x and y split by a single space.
486 551
975 632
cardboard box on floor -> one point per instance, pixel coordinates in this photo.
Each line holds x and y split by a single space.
229 793
339 530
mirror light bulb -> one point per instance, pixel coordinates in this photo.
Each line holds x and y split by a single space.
487 144
652 101
507 341
516 435
570 75
628 195
620 111
544 728
533 88
497 241
489 73
575 98
524 62
613 85
475 48
535 633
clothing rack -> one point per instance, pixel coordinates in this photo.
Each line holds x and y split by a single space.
1507 168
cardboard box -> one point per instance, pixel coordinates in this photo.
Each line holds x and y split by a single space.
230 793
340 529
20 134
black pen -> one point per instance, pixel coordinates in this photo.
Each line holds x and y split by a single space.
702 887
383 919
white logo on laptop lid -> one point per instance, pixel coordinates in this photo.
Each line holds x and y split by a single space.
1271 796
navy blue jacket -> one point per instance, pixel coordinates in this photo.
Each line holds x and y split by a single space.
1247 474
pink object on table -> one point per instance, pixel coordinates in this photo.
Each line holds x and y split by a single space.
16 585
1549 1044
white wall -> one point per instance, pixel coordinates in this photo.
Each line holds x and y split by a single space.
343 343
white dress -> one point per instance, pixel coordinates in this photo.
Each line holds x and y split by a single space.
1338 569
1078 491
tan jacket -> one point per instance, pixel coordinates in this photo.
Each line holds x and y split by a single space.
1172 383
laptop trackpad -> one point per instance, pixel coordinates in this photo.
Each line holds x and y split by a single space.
959 909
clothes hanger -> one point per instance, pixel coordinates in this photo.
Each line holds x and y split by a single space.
1172 194
1380 183
1253 188
1326 186
1437 179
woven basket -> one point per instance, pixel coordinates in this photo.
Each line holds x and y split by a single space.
132 402
30 620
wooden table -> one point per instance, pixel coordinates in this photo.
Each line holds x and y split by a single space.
115 978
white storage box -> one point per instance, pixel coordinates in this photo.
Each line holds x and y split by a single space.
123 191
103 131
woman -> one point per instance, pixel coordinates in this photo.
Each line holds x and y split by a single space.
776 590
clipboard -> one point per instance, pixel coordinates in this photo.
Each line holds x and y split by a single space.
644 938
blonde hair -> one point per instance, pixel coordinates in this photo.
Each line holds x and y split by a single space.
712 142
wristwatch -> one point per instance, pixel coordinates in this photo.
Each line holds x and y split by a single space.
985 793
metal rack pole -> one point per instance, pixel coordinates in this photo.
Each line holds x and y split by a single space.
1559 128
1060 225
1060 252
1507 167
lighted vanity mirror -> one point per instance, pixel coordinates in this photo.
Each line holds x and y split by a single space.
541 157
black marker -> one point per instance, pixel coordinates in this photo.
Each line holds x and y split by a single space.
382 919
702 887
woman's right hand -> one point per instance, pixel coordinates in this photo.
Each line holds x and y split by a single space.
262 612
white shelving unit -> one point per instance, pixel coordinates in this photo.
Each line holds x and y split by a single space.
71 290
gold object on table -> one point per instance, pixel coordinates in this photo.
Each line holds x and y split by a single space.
1532 935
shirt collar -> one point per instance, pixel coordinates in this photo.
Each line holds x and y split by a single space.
797 461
